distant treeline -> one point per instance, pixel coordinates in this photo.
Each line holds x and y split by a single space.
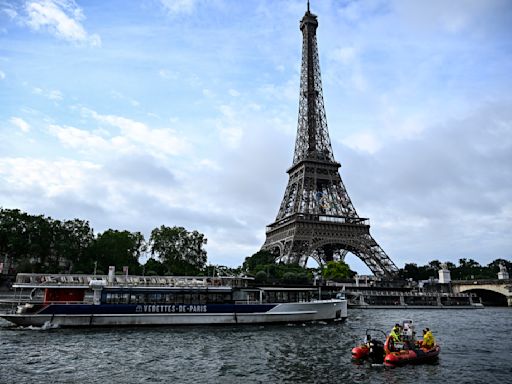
40 244
465 270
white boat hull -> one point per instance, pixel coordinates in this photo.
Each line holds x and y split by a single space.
325 310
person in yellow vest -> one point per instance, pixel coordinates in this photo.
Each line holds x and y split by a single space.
428 339
395 334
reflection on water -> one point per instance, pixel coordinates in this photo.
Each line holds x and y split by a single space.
476 347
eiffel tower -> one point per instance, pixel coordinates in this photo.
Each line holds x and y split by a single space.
316 217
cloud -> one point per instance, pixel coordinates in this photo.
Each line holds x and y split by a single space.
230 128
61 18
208 93
363 141
2 75
179 6
20 123
433 189
168 75
51 94
133 137
80 139
158 141
53 178
345 55
121 96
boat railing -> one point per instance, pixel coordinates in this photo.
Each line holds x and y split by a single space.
41 280
406 294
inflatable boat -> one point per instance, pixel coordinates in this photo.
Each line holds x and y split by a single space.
406 353
371 348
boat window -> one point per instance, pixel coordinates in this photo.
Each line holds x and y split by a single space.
219 298
116 298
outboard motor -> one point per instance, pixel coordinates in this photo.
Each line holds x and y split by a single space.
376 351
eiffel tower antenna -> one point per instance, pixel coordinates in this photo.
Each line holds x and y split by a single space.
317 218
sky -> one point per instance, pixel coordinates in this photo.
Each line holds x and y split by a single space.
137 114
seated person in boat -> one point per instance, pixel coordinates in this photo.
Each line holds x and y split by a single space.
428 339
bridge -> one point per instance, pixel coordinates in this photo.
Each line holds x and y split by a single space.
493 291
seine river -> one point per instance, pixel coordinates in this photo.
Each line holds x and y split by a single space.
476 348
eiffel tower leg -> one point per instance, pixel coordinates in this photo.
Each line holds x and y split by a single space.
376 259
342 254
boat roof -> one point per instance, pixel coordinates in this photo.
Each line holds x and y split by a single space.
288 289
38 280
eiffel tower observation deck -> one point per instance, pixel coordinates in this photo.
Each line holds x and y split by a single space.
317 218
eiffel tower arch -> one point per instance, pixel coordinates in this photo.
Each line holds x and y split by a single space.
317 218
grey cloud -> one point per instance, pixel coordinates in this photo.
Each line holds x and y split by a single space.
140 169
443 194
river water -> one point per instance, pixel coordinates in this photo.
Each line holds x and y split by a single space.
476 347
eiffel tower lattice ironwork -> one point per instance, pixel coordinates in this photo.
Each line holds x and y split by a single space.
316 218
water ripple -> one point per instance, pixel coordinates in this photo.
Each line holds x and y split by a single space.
476 348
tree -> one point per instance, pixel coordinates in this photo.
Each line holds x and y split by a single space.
336 270
494 267
252 264
72 239
154 267
41 244
468 269
179 250
116 248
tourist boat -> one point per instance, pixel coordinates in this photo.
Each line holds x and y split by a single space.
123 300
416 354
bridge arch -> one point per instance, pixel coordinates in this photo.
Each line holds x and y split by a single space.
490 294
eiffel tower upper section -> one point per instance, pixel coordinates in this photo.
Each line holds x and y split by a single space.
316 217
313 144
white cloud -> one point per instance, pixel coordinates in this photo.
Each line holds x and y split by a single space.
55 95
363 141
208 93
179 6
345 55
229 127
52 177
79 139
20 123
282 92
61 18
159 142
2 75
10 12
52 94
120 96
234 93
169 75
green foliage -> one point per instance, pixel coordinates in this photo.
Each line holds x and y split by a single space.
154 267
336 270
116 248
180 251
253 263
261 277
41 244
262 266
466 269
